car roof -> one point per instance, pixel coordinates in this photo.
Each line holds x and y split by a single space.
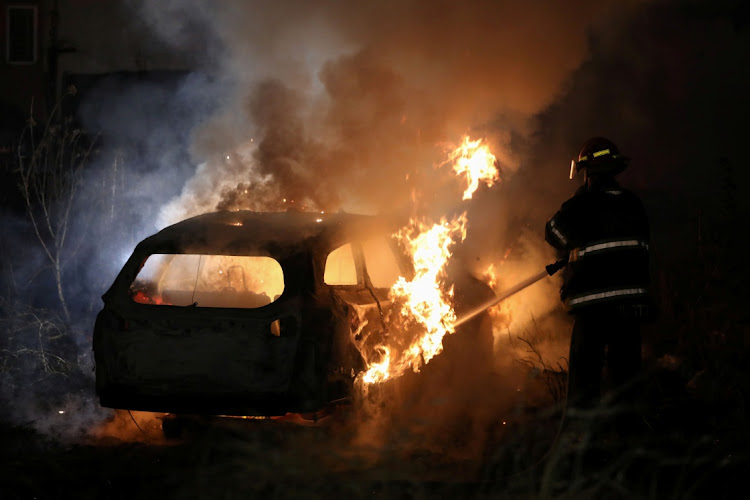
276 234
238 232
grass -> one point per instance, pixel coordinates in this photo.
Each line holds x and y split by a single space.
240 459
693 443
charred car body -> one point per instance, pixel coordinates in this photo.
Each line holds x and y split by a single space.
246 313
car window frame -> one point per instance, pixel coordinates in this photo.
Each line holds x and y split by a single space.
285 264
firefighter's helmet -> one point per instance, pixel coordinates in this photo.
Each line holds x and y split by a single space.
599 156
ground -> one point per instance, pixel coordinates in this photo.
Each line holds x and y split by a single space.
690 445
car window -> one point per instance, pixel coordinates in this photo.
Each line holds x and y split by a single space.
208 281
340 267
381 263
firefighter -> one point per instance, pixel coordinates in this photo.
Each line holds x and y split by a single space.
604 233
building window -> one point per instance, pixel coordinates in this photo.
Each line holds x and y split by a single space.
21 36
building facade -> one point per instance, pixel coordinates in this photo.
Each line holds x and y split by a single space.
46 44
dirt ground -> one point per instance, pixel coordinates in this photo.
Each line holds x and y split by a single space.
688 447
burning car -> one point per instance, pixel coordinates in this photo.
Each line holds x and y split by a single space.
247 313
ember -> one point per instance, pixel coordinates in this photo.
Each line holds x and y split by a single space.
143 298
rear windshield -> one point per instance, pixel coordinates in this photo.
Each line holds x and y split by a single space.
208 281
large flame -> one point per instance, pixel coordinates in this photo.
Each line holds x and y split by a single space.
423 313
476 162
423 303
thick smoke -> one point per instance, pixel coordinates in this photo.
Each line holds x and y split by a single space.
352 107
138 156
348 105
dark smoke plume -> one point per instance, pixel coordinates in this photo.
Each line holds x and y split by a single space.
348 105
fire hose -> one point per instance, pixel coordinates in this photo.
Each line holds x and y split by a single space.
549 270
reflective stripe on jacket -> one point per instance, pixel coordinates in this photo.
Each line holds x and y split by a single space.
604 232
605 296
578 253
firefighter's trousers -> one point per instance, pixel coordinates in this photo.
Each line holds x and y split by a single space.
601 335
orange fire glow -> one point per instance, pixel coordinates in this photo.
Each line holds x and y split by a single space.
142 298
500 313
490 276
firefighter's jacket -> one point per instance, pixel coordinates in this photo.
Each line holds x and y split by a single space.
605 234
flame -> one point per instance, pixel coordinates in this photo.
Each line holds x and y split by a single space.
423 312
500 314
423 303
378 372
490 277
475 162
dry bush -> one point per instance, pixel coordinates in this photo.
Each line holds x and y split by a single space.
50 167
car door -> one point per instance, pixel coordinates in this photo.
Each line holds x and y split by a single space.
360 275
